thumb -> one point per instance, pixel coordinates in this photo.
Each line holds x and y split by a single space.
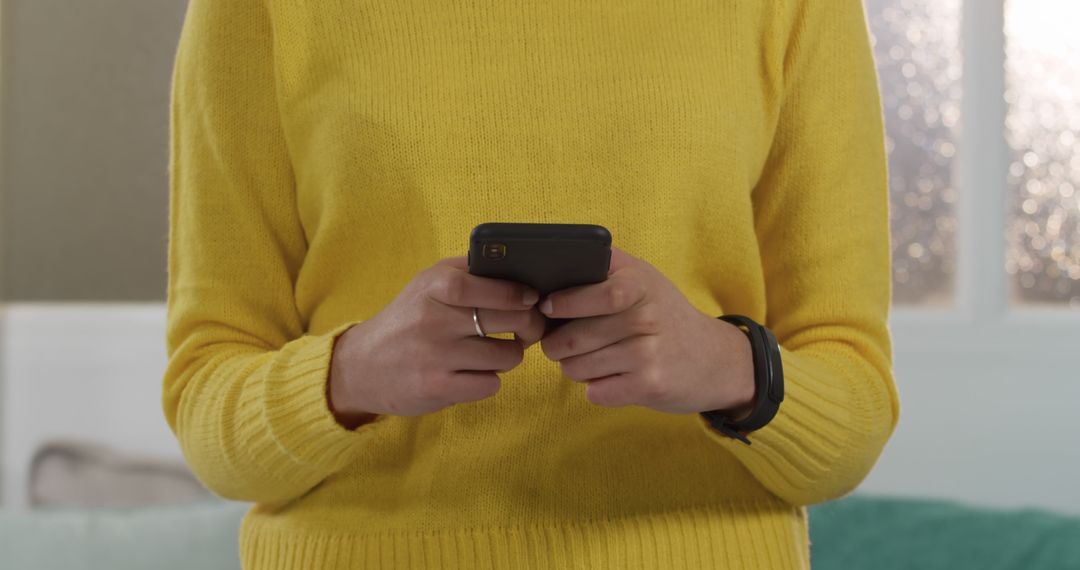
458 262
620 259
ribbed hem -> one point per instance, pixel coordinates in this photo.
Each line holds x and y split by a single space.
824 438
733 536
295 407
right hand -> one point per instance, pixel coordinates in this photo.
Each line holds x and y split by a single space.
421 353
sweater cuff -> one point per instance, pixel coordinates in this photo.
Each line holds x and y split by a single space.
296 409
825 435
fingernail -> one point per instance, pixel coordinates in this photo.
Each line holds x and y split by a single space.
531 297
545 307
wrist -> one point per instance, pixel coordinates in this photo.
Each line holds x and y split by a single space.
737 363
349 419
337 393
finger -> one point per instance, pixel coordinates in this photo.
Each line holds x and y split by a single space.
458 262
584 335
454 287
533 330
485 354
612 392
527 325
618 293
470 386
618 358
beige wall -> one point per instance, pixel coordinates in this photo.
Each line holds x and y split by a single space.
84 180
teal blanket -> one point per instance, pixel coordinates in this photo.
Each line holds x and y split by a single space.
891 534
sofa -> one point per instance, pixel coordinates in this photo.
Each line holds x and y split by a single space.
879 533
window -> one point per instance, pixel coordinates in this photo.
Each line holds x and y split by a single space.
1043 132
917 45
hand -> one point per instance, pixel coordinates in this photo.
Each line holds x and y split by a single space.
421 353
637 340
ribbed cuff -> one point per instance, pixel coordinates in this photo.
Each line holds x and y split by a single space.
296 410
826 435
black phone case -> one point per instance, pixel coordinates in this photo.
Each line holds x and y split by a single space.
547 257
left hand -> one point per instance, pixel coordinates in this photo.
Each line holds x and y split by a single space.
635 339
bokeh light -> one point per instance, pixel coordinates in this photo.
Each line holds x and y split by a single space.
916 45
1043 130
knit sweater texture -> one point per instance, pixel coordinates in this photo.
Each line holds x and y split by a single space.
323 153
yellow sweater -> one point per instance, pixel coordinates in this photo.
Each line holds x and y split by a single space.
325 152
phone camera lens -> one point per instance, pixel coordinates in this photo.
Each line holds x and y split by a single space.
494 250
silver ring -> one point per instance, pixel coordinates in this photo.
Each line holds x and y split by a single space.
476 323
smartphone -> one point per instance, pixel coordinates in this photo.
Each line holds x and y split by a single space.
546 257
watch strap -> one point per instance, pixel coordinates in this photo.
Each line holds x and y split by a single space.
768 382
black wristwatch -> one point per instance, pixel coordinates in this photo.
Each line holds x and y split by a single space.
768 382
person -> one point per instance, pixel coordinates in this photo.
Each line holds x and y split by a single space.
328 161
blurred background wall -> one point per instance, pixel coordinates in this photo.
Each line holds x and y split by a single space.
83 218
85 138
982 105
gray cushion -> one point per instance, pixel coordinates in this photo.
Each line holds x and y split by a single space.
84 474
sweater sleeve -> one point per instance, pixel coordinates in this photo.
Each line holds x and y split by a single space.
822 223
245 386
